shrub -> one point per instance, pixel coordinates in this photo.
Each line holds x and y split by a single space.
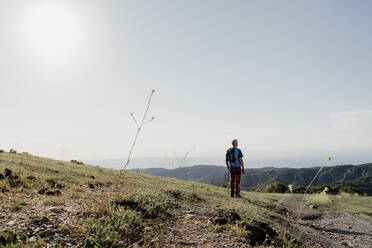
76 161
299 189
16 207
1 151
12 151
317 200
275 187
349 190
119 228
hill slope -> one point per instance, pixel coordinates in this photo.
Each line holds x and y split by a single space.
47 203
359 176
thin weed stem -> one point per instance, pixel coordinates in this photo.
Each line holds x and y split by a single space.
139 126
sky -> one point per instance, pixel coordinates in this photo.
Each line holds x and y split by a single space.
291 80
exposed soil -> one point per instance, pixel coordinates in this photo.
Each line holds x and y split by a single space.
199 226
328 228
191 229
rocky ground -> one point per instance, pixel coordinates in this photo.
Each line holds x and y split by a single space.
327 228
36 220
193 229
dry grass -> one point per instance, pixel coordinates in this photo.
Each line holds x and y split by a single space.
95 198
359 206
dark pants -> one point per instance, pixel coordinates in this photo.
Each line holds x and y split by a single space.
235 174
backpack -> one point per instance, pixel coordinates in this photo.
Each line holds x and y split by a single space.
230 155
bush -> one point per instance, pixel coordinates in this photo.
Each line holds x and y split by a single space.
119 228
299 189
1 151
275 187
76 161
349 190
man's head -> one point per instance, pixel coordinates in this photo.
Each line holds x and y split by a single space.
235 143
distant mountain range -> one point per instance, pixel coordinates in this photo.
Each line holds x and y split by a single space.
359 176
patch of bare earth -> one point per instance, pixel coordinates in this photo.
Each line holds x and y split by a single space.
191 228
36 220
328 228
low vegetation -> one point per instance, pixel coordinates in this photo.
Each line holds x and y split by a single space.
355 205
69 204
279 187
356 176
275 187
118 228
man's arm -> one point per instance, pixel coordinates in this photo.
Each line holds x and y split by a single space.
227 161
241 164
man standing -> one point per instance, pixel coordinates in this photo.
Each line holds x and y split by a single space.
235 165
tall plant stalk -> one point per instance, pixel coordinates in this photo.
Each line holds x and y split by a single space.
317 174
139 128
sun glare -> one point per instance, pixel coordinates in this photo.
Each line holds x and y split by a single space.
53 30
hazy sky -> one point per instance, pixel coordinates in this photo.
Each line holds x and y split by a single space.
287 78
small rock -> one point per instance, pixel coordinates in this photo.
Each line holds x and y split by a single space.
188 216
31 178
11 223
53 209
47 233
8 172
23 237
32 239
53 193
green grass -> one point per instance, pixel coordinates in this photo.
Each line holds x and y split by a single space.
117 209
359 206
16 207
54 201
119 228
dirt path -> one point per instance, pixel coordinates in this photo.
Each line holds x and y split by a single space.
328 228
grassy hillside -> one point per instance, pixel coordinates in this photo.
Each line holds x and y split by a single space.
47 202
359 176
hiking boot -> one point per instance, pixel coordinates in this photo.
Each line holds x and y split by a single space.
232 194
238 196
